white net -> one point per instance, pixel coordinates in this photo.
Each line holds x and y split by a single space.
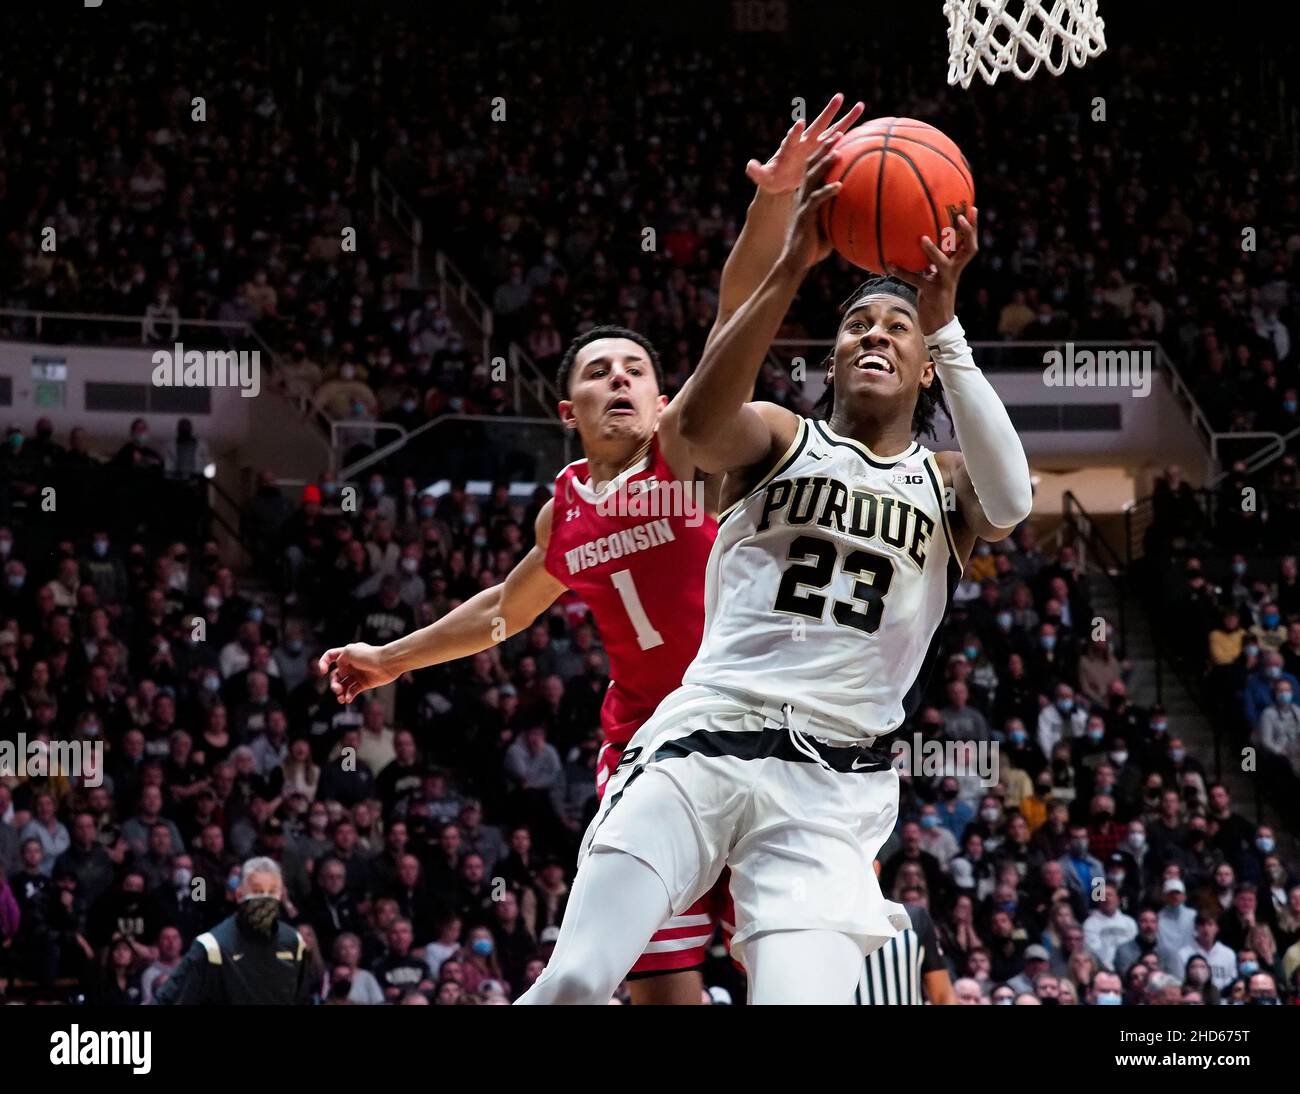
1018 36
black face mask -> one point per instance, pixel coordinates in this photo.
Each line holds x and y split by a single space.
259 914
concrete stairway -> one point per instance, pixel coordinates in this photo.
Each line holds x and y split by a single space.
1186 720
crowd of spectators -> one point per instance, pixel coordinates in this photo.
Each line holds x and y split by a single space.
1103 864
436 865
544 199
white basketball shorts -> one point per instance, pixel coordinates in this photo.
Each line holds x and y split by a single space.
714 780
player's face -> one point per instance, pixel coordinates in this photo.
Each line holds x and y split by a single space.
613 392
880 353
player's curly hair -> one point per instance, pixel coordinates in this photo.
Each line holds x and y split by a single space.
565 372
930 398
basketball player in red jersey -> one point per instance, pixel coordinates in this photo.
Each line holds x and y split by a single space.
629 529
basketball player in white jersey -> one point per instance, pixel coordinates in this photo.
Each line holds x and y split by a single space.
828 581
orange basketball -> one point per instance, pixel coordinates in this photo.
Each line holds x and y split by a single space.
902 179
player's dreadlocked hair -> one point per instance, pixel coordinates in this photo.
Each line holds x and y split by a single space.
930 398
564 373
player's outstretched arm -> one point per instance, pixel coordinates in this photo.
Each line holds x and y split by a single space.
991 474
759 245
712 412
489 617
767 223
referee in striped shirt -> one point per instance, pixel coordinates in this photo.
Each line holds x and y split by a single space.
909 969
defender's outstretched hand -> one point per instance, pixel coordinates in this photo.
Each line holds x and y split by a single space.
783 173
357 667
807 243
936 286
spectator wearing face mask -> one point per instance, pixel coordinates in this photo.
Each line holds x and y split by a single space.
1082 869
936 838
1261 990
1062 719
136 455
1221 960
1020 753
1051 664
1106 989
1198 984
1261 952
954 814
1279 736
1261 687
1269 630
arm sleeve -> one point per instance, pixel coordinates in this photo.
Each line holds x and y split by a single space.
184 987
995 459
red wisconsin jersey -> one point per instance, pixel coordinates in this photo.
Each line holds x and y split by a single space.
636 553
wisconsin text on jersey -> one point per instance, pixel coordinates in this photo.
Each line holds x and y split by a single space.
640 537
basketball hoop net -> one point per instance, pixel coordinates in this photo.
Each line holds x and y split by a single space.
1017 36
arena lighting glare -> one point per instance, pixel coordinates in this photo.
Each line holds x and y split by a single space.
210 471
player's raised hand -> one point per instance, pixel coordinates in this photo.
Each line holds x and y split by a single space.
936 285
356 667
807 243
783 173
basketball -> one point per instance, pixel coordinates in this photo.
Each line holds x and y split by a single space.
902 179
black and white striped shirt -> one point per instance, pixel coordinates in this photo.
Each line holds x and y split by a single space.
891 976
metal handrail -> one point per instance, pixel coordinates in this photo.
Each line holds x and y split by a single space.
1271 451
242 327
42 314
1113 569
385 192
352 470
1261 459
339 428
449 277
233 530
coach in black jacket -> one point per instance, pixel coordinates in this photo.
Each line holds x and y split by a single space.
247 958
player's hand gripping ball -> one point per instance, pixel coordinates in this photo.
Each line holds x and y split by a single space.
901 179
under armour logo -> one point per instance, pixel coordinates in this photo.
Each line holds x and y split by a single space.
573 514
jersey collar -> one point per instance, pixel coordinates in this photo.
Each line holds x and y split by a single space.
872 458
588 493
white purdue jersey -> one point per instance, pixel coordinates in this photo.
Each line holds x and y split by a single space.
828 583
